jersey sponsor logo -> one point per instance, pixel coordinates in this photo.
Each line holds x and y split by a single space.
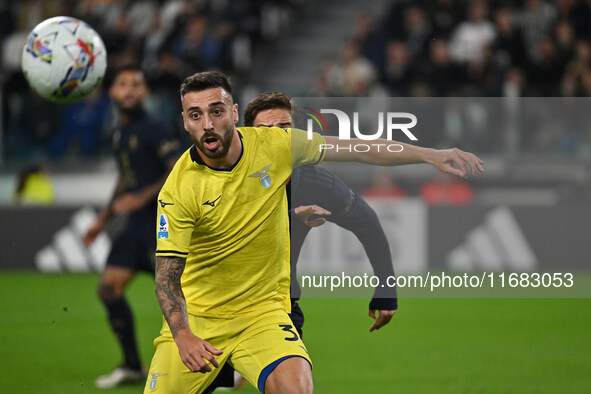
163 227
212 203
155 376
263 176
164 203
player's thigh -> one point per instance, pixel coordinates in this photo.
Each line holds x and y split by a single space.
168 374
133 249
270 340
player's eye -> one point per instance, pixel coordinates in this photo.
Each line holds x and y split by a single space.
217 111
195 115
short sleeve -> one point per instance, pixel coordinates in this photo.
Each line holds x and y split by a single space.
304 150
175 226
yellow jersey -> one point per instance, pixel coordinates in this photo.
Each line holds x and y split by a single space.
232 225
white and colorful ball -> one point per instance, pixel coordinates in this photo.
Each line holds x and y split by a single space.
64 59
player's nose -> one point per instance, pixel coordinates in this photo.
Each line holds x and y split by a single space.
207 123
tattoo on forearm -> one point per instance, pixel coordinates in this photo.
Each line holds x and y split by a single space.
169 293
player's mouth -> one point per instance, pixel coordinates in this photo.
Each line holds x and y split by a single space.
211 143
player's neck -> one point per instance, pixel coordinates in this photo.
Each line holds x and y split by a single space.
128 115
231 157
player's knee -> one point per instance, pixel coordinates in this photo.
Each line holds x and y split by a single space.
106 292
292 376
113 282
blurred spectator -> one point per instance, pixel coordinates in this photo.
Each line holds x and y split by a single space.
543 74
6 21
397 74
564 36
578 15
513 84
118 42
438 71
576 73
508 46
416 30
536 21
33 122
154 41
196 45
328 81
164 81
82 126
371 39
469 39
34 187
357 73
446 190
444 16
140 18
485 77
384 186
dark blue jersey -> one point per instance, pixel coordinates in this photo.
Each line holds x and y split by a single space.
143 148
312 185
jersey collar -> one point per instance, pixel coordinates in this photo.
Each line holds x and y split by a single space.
197 159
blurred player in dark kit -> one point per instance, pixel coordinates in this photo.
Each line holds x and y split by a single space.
145 151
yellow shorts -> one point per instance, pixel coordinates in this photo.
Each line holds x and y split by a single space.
254 344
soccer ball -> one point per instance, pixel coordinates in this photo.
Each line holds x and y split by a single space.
64 59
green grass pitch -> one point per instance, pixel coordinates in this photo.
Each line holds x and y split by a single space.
54 339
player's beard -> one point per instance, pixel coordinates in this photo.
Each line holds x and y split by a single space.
223 146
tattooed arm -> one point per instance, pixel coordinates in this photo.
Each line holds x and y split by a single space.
192 349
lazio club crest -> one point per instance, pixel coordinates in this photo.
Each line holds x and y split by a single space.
263 176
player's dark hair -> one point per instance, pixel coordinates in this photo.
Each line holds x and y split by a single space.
264 102
123 68
206 80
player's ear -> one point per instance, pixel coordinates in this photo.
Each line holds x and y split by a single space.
235 113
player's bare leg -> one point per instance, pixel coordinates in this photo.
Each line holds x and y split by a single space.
111 291
291 376
113 282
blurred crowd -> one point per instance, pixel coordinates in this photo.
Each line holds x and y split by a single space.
477 48
170 39
468 48
435 48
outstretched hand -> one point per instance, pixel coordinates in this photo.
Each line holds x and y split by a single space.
92 232
444 159
305 212
383 317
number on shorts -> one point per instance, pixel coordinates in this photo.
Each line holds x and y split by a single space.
289 328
